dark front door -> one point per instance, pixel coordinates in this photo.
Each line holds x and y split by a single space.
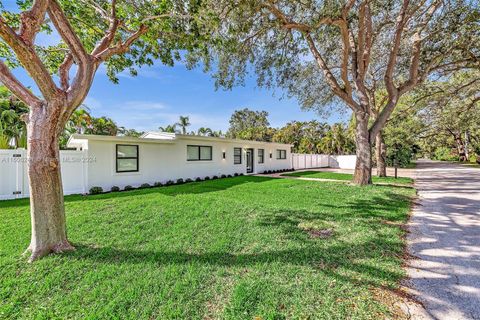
249 160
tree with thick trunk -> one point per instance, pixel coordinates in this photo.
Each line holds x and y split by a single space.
84 45
342 53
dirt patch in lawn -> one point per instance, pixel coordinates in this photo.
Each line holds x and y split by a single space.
322 233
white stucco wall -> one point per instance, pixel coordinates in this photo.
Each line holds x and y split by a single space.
166 160
342 162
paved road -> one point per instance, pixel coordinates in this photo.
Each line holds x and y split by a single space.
445 239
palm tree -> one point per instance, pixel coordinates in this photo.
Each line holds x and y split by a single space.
12 127
205 132
184 122
172 128
80 120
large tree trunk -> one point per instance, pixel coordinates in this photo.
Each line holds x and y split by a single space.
460 147
46 192
381 153
363 165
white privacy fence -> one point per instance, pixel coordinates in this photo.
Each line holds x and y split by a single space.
308 161
14 178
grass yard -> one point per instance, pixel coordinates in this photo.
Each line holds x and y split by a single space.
347 176
234 248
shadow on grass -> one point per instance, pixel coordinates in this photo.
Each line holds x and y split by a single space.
347 261
173 190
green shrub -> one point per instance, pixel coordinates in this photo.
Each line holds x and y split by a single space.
198 179
158 184
169 183
114 189
96 190
445 154
188 180
128 188
214 177
180 181
145 186
223 176
207 178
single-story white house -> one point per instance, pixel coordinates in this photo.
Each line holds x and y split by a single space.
106 161
160 157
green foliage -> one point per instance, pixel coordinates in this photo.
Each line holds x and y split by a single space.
115 189
12 127
169 128
316 137
402 132
207 251
183 123
247 124
171 24
96 190
445 154
450 110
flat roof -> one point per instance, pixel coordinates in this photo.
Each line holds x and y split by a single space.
74 139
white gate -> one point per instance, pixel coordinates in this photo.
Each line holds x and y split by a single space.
14 178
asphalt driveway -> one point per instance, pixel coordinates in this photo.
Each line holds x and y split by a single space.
444 241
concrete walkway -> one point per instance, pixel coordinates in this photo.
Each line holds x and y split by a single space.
444 241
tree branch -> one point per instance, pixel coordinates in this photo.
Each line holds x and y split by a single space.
64 70
121 47
392 59
329 77
30 61
107 40
416 50
31 20
65 30
18 89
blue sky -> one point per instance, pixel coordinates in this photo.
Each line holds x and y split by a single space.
160 94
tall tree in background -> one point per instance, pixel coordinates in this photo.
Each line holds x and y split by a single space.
122 34
451 107
80 120
343 52
250 125
103 126
183 123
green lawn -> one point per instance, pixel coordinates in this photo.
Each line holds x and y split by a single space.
225 249
470 165
347 176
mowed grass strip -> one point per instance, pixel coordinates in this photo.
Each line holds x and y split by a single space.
347 176
234 248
